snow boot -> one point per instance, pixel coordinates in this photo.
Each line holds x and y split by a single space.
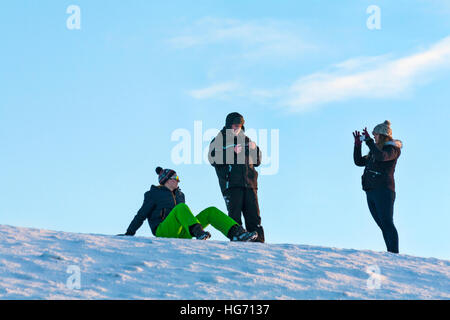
197 231
237 233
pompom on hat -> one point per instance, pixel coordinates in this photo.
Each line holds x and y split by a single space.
164 174
384 129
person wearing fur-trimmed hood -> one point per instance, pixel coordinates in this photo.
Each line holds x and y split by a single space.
378 178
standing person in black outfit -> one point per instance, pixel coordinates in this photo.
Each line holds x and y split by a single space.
234 157
378 178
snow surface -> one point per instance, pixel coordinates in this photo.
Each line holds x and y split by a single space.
34 264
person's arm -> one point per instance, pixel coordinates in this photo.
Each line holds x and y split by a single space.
255 153
359 160
216 154
143 213
212 152
387 154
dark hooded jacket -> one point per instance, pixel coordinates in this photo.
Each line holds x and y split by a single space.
232 169
379 164
158 202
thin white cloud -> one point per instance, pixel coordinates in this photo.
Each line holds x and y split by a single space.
361 63
372 77
214 91
253 38
382 79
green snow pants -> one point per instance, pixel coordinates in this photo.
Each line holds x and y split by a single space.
180 218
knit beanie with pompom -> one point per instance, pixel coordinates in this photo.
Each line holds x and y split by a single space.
384 129
164 174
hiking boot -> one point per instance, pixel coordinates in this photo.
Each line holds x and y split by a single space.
197 231
204 236
237 233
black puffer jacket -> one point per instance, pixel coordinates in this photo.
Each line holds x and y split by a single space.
158 202
232 169
379 164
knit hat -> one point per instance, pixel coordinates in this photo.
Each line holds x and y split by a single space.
384 129
164 174
234 118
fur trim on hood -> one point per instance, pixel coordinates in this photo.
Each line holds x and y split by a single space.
395 143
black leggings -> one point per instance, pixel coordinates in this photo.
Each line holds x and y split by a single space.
381 206
244 201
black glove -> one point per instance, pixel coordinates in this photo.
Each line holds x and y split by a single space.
357 136
366 135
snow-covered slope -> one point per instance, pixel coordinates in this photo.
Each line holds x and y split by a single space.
41 264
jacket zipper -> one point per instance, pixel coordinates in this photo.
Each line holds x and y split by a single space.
373 171
228 176
174 199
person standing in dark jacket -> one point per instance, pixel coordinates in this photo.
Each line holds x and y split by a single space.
235 157
378 178
168 215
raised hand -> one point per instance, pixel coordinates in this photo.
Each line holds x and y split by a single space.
357 136
366 134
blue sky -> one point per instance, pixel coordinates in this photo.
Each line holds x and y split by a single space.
86 115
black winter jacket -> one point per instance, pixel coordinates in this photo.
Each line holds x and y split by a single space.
232 169
379 164
158 202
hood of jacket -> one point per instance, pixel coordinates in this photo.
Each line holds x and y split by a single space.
163 188
395 143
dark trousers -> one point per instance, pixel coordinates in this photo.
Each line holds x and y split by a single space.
381 206
245 201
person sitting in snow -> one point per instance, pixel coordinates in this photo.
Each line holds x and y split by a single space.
169 217
378 178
